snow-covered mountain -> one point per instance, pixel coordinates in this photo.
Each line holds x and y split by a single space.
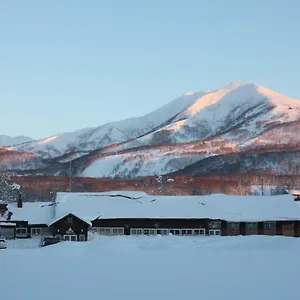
234 120
86 140
6 140
239 119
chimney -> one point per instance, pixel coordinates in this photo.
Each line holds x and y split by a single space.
20 201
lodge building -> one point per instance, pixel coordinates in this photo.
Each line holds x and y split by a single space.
73 216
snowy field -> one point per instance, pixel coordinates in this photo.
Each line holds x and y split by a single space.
142 268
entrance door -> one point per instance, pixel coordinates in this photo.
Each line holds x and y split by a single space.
70 237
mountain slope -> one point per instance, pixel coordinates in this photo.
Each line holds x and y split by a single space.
89 139
240 120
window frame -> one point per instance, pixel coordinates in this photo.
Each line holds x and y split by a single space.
21 233
214 232
215 224
35 229
68 237
269 227
81 238
249 225
199 230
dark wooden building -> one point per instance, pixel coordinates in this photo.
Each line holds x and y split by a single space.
70 228
194 227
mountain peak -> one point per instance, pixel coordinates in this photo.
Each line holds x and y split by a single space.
235 84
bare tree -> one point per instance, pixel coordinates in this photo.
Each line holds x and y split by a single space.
9 191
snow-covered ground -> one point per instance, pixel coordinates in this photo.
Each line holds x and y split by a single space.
252 267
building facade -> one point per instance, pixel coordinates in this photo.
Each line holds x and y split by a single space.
73 215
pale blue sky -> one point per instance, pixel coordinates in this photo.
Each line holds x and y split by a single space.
69 64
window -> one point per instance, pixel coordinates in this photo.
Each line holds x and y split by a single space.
269 225
190 232
149 231
251 225
152 231
215 224
21 231
199 231
139 231
81 237
35 231
110 230
175 231
70 220
233 225
118 231
70 237
136 231
214 232
104 230
164 231
187 232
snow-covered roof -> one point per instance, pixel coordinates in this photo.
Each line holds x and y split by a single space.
33 212
8 224
91 206
66 214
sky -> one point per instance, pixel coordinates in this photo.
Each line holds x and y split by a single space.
70 64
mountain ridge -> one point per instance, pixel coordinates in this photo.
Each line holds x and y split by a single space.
238 118
6 140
